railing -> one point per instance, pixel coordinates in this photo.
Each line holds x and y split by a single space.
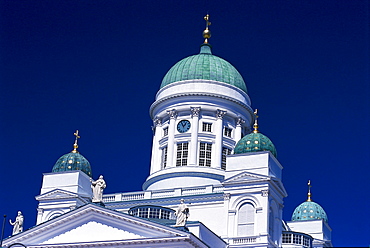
196 191
160 194
243 240
132 196
296 238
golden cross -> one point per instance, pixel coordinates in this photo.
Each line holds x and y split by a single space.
208 23
76 134
75 146
255 113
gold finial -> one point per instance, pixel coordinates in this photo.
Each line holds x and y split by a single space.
75 146
207 32
255 126
309 190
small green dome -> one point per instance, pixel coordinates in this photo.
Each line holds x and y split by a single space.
309 210
254 142
73 161
204 66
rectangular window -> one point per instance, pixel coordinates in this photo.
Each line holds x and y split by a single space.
227 132
207 127
164 157
225 152
182 154
165 131
205 152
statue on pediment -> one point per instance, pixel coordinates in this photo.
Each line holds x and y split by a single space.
17 224
98 187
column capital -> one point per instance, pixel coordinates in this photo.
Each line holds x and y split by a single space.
172 113
220 113
227 196
195 111
157 122
240 121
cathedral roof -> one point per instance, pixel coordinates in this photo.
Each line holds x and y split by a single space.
255 142
205 66
73 161
309 210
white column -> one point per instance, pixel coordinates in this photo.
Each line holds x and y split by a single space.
238 129
194 136
218 142
156 152
171 137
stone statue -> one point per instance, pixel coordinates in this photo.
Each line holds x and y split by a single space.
182 214
18 223
97 187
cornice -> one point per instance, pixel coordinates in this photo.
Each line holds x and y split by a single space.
157 102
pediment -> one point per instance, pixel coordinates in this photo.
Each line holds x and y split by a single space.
93 223
90 232
56 194
245 177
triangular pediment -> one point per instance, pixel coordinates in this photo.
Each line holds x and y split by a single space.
90 232
93 223
56 194
244 177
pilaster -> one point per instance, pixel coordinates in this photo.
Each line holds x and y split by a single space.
218 142
194 135
156 153
238 129
171 137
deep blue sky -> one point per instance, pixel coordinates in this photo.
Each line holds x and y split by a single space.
97 65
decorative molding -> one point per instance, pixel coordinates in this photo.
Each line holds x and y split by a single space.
172 113
227 196
245 106
157 122
240 121
265 193
220 113
195 111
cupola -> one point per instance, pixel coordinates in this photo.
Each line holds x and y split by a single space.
309 210
255 142
73 161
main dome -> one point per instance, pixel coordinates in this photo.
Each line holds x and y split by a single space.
73 161
204 66
254 142
309 210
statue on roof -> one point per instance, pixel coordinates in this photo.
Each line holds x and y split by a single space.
182 214
98 187
17 224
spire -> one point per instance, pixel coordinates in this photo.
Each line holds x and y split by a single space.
75 146
309 191
207 32
255 126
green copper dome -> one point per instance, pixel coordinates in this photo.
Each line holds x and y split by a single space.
309 210
73 161
254 142
204 66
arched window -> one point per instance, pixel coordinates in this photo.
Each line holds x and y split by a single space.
246 220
